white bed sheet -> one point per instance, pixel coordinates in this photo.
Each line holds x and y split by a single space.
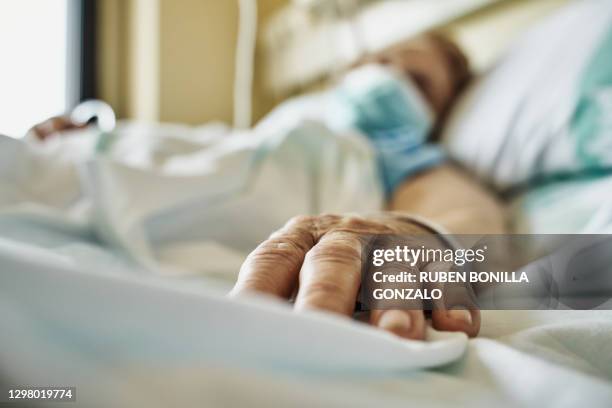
76 313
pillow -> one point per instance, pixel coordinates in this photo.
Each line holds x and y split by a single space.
546 108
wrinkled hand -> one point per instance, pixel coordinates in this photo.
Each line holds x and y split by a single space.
318 259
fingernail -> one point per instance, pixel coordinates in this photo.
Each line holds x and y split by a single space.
395 321
461 315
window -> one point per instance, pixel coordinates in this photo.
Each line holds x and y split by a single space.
35 50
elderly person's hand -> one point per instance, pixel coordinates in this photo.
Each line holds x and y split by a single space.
53 125
318 259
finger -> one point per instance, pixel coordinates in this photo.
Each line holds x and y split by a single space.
53 125
401 317
409 324
331 274
457 310
457 320
44 129
274 266
60 123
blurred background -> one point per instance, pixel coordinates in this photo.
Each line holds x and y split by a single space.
175 60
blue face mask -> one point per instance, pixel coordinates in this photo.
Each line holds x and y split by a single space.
390 110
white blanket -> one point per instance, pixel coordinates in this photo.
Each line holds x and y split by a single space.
187 200
135 341
81 303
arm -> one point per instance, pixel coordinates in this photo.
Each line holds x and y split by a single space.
450 198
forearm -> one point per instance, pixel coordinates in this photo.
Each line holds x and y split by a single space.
450 198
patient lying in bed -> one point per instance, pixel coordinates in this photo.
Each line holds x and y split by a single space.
316 258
